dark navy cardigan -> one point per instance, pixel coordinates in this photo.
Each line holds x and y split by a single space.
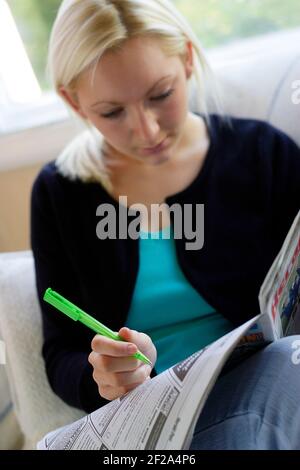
250 186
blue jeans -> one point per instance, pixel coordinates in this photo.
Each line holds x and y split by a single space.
256 405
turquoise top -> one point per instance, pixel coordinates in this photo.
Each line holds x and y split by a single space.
166 306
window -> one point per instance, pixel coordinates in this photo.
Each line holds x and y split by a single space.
34 19
25 99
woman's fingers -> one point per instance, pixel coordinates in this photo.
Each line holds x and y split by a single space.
119 379
115 369
110 347
112 364
142 341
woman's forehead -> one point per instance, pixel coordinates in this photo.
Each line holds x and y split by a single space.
138 66
135 57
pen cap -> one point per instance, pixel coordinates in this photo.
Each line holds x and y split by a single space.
59 302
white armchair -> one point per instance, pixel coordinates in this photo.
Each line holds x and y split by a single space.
37 408
255 86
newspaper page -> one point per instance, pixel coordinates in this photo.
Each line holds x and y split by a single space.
279 296
162 412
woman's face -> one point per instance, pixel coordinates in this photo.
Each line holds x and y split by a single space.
138 100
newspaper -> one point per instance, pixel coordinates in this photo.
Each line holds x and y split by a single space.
161 413
280 292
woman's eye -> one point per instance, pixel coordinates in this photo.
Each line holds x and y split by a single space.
112 115
163 97
117 112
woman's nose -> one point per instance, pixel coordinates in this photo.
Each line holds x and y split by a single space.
145 128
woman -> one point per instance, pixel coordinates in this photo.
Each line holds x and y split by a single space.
124 66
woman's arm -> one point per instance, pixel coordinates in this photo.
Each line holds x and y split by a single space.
66 344
80 371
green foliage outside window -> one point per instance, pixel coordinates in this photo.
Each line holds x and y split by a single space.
34 19
222 21
215 22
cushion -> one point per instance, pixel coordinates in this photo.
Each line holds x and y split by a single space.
258 83
260 86
37 408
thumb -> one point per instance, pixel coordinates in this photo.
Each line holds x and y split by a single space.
128 335
141 340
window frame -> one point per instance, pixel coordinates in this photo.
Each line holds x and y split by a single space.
36 145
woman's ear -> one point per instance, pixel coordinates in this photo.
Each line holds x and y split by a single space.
189 60
72 101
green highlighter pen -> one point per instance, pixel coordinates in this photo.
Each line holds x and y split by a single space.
69 309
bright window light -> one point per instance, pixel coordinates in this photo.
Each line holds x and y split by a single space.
16 74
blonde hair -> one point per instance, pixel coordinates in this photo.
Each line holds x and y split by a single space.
84 30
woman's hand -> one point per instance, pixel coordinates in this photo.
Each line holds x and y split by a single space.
115 372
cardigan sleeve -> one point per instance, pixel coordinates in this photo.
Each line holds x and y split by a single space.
66 345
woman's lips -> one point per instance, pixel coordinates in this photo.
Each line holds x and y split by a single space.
157 149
